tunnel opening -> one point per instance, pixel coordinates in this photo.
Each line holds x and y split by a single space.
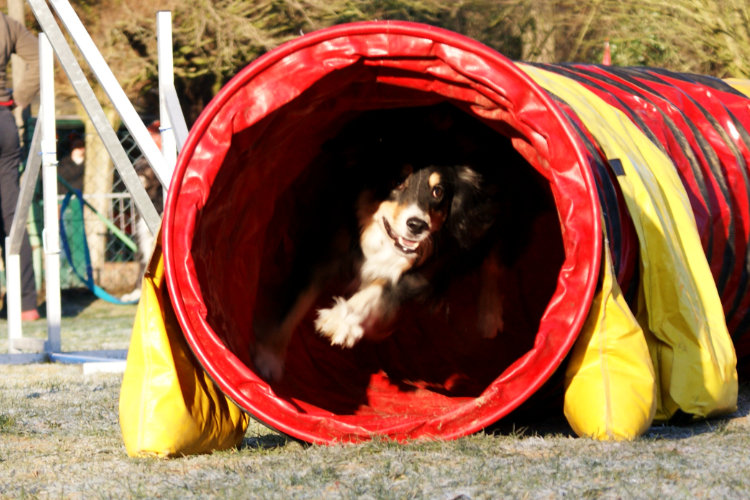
271 182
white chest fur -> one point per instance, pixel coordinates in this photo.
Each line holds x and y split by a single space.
382 259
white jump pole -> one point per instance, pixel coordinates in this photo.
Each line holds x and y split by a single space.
111 86
15 238
77 78
43 155
170 127
12 294
51 232
43 152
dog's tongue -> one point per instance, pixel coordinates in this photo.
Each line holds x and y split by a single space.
408 244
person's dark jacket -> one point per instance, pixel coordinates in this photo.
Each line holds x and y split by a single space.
15 38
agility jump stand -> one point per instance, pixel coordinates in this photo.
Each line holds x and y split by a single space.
43 155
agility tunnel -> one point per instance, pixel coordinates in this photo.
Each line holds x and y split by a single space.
626 197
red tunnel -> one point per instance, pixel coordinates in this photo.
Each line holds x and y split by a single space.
256 166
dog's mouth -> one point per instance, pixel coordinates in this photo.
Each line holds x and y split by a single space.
404 244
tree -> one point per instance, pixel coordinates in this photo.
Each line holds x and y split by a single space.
214 39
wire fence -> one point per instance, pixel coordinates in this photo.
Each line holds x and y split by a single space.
98 236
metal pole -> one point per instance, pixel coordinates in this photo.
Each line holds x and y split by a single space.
174 111
77 78
12 294
28 185
111 86
51 233
166 84
15 236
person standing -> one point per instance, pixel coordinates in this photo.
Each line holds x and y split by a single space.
71 167
16 39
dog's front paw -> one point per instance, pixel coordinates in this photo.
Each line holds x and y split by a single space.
268 364
341 324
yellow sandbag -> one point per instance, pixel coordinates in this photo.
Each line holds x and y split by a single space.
683 319
610 387
168 405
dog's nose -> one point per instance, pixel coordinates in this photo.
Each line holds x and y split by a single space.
416 225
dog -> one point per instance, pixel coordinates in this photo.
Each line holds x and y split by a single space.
436 220
428 211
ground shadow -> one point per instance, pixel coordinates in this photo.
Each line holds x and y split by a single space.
543 416
73 302
268 441
682 426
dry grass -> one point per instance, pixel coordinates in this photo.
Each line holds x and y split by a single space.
60 438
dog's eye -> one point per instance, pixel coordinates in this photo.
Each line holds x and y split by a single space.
437 192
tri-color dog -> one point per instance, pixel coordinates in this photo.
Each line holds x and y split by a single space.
398 236
435 215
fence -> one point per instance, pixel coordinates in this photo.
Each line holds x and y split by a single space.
114 260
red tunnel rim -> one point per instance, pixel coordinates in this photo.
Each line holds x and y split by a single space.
172 268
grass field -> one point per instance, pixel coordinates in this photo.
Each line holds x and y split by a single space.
60 438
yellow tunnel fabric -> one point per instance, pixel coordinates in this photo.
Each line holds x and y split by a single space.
610 384
683 319
168 405
740 85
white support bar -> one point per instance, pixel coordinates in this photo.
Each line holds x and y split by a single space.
15 238
26 195
23 358
110 366
112 87
172 121
12 294
174 111
89 356
94 109
43 157
51 233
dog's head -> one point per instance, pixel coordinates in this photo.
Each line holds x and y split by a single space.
419 207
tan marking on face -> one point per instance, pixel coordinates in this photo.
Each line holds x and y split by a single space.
390 208
434 179
395 211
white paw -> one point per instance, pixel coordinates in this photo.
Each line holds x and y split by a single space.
341 324
268 364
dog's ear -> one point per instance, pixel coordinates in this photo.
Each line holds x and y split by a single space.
471 212
468 185
468 178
